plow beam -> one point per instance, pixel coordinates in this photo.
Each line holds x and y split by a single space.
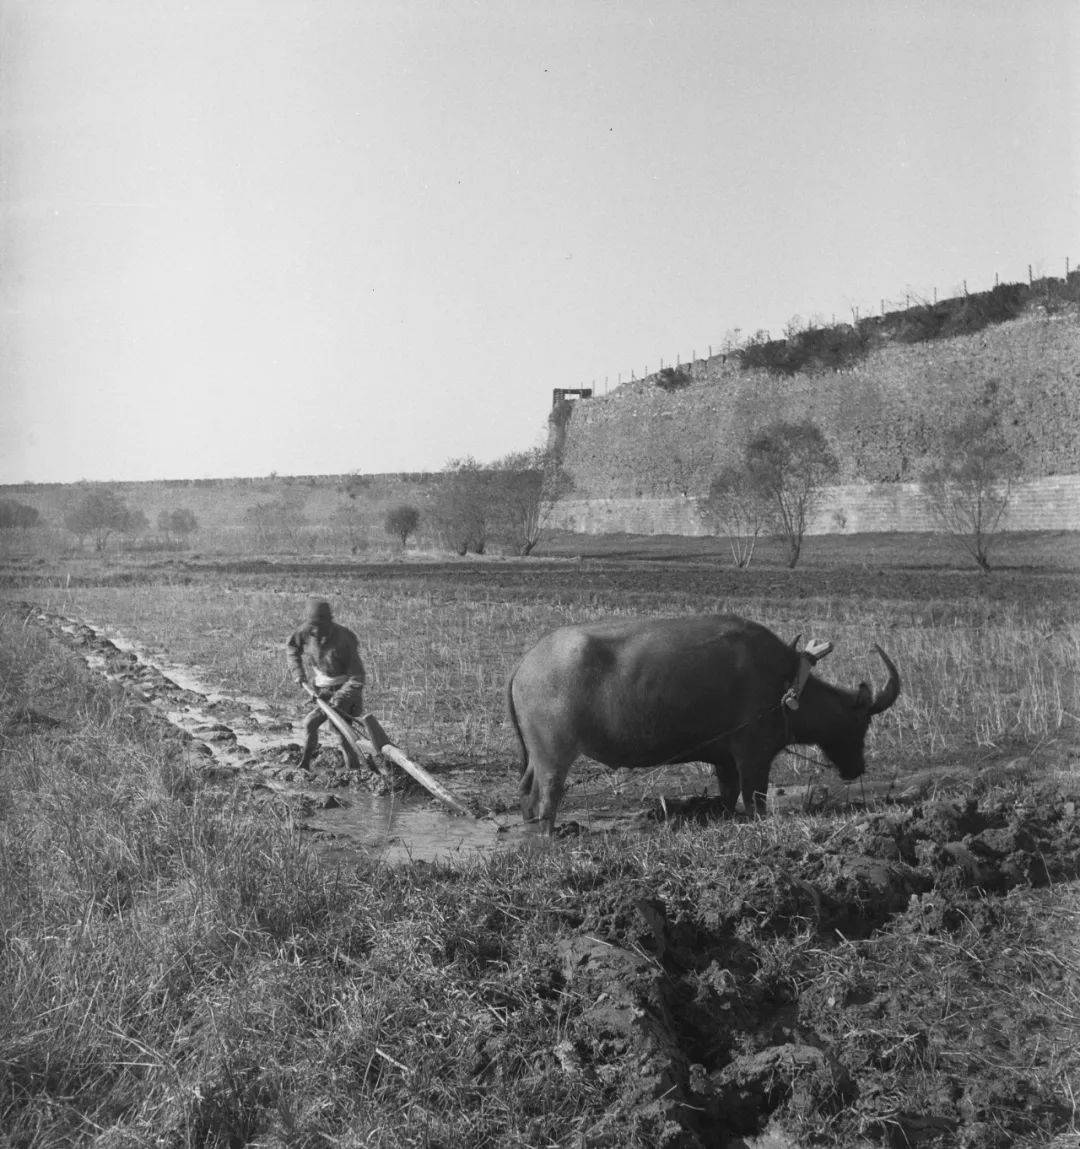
387 749
381 744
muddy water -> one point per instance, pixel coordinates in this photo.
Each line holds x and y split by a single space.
243 740
401 830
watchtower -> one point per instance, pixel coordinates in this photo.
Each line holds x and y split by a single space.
561 393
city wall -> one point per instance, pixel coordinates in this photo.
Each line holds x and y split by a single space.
641 457
1051 503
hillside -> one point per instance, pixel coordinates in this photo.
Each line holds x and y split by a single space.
883 416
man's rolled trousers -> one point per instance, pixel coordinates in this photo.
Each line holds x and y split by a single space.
338 674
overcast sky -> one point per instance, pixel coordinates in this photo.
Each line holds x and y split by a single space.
321 236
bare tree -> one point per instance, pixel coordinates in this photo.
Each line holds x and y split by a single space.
17 516
511 500
969 490
401 521
789 464
735 507
180 522
102 514
526 487
464 508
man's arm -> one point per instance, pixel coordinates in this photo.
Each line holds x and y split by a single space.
294 649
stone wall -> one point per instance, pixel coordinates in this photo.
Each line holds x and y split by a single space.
883 419
1050 503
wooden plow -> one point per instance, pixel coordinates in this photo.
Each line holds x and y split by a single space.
378 743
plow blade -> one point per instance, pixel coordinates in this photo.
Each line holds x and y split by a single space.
388 750
381 744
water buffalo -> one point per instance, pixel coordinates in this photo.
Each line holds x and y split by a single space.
648 692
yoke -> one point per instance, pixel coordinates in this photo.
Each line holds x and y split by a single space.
814 651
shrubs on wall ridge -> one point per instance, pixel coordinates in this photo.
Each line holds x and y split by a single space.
842 345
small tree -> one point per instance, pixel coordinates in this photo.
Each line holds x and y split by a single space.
17 516
402 521
179 523
788 465
735 507
526 485
969 490
136 523
101 514
464 506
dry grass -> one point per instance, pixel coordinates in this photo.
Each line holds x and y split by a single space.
976 675
176 969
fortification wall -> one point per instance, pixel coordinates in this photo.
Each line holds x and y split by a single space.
883 419
1050 503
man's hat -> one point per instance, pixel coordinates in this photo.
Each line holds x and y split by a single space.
318 610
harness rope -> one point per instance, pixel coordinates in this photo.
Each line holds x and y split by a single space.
681 755
815 651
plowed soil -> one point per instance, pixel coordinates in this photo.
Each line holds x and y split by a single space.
905 974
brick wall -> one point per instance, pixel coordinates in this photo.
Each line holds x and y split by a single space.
1051 503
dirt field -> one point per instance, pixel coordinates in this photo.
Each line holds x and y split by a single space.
892 963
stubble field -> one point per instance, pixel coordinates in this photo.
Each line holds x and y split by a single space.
182 966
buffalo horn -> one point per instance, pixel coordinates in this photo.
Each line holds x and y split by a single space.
891 690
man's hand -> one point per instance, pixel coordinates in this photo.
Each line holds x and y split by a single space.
324 692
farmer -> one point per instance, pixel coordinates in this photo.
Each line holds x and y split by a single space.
338 674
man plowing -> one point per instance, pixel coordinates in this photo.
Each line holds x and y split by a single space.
338 674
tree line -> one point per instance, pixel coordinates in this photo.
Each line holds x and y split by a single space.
470 506
774 490
101 515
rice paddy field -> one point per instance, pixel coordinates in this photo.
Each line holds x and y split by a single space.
182 965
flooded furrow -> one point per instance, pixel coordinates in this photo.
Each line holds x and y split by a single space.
243 740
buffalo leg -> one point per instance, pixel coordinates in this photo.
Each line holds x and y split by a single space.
528 796
541 791
727 778
755 785
551 792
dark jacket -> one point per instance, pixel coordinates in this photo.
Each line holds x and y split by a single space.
336 655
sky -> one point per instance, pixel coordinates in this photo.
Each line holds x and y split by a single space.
240 237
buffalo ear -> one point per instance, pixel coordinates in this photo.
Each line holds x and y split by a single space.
863 697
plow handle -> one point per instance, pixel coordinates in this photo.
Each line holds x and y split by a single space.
381 744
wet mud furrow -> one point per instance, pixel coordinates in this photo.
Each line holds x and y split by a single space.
244 741
232 731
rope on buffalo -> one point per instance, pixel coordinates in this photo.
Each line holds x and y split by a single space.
814 652
682 755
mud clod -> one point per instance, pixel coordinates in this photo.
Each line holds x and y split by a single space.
807 1079
629 1025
